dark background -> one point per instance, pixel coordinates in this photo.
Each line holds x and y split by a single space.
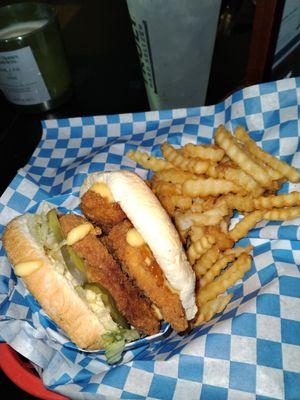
107 78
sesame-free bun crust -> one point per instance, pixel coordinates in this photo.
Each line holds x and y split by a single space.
52 290
150 219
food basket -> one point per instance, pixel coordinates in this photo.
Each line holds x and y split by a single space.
23 374
249 351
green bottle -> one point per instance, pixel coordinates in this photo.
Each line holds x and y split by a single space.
34 74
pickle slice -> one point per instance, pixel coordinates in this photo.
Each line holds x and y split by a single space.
54 225
73 262
109 302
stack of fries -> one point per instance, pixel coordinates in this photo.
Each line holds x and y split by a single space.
200 186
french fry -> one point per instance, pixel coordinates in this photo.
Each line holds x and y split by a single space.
288 171
197 248
174 202
238 250
200 186
147 161
223 241
165 188
216 269
198 205
211 308
282 214
274 175
212 171
181 202
231 147
224 258
240 203
228 278
243 179
210 217
206 261
224 223
204 152
246 203
281 200
187 164
248 222
209 187
196 233
276 185
173 175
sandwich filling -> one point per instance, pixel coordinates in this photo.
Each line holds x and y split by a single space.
46 230
134 201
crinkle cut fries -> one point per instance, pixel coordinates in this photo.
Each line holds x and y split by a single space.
200 186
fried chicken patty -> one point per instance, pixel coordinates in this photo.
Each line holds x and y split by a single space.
140 264
103 269
100 211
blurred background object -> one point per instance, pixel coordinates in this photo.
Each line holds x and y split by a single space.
34 74
175 40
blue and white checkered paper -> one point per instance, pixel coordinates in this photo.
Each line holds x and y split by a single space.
252 350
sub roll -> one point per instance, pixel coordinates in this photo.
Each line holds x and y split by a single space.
108 277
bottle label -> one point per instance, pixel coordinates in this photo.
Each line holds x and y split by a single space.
141 35
20 78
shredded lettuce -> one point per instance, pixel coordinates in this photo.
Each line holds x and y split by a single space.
114 343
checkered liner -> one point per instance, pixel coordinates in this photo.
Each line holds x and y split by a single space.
252 350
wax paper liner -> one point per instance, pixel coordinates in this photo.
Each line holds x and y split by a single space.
252 349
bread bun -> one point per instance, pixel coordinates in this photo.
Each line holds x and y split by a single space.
52 290
147 215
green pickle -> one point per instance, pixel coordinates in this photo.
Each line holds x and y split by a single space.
74 263
108 302
77 268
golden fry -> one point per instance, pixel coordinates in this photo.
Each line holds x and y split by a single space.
224 225
204 152
216 269
211 308
228 143
212 171
210 217
240 203
147 161
206 261
246 203
174 175
282 214
223 241
198 205
228 278
237 251
281 200
173 202
248 222
243 179
165 188
196 233
209 187
290 172
185 163
197 248
274 175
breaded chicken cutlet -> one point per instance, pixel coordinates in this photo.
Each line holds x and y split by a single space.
141 266
138 262
100 211
103 269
